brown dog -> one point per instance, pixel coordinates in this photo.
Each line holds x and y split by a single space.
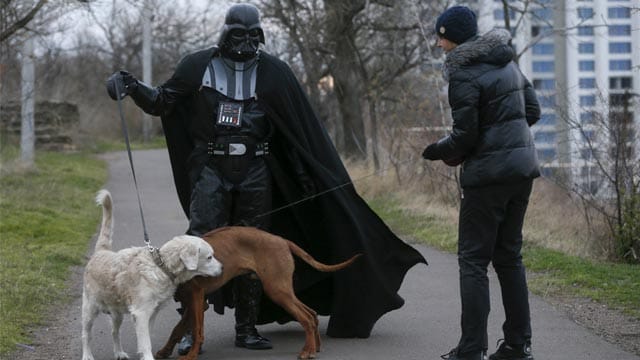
243 250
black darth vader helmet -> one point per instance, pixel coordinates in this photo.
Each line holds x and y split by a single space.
241 34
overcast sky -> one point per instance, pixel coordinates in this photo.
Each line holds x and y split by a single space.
78 22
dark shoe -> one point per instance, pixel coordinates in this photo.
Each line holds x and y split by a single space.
253 342
454 355
185 344
512 352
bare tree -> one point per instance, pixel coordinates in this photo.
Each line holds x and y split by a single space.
357 48
16 15
608 166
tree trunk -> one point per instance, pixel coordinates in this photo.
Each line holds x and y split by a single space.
27 131
147 67
346 73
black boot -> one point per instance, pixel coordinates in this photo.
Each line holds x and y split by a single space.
248 291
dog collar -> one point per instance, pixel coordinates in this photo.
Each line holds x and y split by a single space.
157 259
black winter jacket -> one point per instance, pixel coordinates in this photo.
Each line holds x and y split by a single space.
492 105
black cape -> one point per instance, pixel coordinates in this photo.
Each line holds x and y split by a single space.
332 227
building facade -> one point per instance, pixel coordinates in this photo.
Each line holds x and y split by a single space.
583 58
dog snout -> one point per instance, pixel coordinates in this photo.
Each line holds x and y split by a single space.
215 268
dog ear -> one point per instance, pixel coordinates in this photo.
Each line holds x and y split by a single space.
189 257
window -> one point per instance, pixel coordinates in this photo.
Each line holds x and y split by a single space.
619 64
538 30
547 101
547 137
619 48
543 14
587 83
620 12
543 66
586 153
587 100
585 48
547 119
586 65
587 118
546 154
619 30
542 49
619 99
620 83
589 135
585 13
544 84
585 30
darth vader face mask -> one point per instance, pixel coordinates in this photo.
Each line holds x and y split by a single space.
241 34
242 45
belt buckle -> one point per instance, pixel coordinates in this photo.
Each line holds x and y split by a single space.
237 149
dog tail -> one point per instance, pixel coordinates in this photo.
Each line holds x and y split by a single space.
296 250
103 198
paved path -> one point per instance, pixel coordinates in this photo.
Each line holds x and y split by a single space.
424 328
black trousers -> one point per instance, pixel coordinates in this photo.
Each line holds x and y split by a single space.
221 197
490 230
217 201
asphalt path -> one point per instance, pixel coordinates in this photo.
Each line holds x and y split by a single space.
424 328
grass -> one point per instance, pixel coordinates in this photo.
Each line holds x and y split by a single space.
136 144
556 274
47 217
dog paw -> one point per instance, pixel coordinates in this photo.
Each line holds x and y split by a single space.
304 355
121 356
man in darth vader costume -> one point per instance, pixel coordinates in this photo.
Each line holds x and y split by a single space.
247 149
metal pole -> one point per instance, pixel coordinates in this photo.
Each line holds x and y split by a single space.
27 130
147 18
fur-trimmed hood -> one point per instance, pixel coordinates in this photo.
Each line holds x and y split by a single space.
494 47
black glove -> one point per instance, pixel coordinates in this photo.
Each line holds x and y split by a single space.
127 84
430 153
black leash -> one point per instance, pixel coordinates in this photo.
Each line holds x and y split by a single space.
350 182
133 171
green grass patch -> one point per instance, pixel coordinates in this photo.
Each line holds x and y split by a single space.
104 146
426 229
554 273
614 284
47 216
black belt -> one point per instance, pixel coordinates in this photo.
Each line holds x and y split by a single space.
237 147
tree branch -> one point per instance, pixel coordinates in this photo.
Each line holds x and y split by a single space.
20 24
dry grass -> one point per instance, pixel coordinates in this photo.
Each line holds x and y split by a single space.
554 219
557 221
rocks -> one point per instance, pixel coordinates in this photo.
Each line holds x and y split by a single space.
55 124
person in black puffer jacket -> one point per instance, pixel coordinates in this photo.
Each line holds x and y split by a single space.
492 105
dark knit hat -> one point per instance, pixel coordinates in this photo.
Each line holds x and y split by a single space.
457 24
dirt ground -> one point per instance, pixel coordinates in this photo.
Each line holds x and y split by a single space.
609 324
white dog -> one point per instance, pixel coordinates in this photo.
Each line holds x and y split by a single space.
137 281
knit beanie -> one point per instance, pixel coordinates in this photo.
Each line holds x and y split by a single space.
457 24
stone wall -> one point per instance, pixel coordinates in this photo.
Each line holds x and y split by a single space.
55 124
